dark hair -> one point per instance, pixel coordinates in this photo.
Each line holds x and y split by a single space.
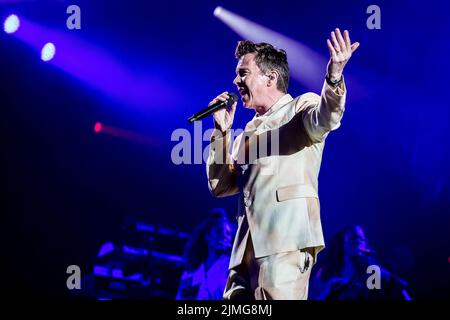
333 261
196 249
267 58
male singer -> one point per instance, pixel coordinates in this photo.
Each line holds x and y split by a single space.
279 230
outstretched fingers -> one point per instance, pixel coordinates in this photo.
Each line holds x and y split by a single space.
348 43
336 45
340 39
331 48
354 46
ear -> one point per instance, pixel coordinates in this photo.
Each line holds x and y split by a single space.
273 78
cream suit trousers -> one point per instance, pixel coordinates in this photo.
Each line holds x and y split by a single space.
282 276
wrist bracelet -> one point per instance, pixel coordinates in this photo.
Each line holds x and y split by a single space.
333 83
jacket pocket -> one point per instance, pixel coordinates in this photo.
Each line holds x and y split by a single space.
296 191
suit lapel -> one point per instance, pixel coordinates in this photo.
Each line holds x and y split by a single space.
258 125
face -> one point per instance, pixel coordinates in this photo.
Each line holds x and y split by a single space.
250 81
355 242
219 237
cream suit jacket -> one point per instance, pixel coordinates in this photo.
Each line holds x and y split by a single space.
278 183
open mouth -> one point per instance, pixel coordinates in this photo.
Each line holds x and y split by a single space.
243 92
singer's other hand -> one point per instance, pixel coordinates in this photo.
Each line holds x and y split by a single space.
223 118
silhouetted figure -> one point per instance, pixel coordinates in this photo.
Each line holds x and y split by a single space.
207 256
343 274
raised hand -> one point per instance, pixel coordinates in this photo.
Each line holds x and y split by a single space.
341 50
223 118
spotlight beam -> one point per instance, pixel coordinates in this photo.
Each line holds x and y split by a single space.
307 66
98 68
126 135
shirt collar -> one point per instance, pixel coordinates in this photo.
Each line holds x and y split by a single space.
257 120
277 105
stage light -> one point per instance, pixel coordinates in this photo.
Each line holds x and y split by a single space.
12 24
48 52
109 76
97 127
217 11
124 134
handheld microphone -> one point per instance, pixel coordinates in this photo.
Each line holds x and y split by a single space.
232 98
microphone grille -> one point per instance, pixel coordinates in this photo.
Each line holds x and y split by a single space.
232 98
